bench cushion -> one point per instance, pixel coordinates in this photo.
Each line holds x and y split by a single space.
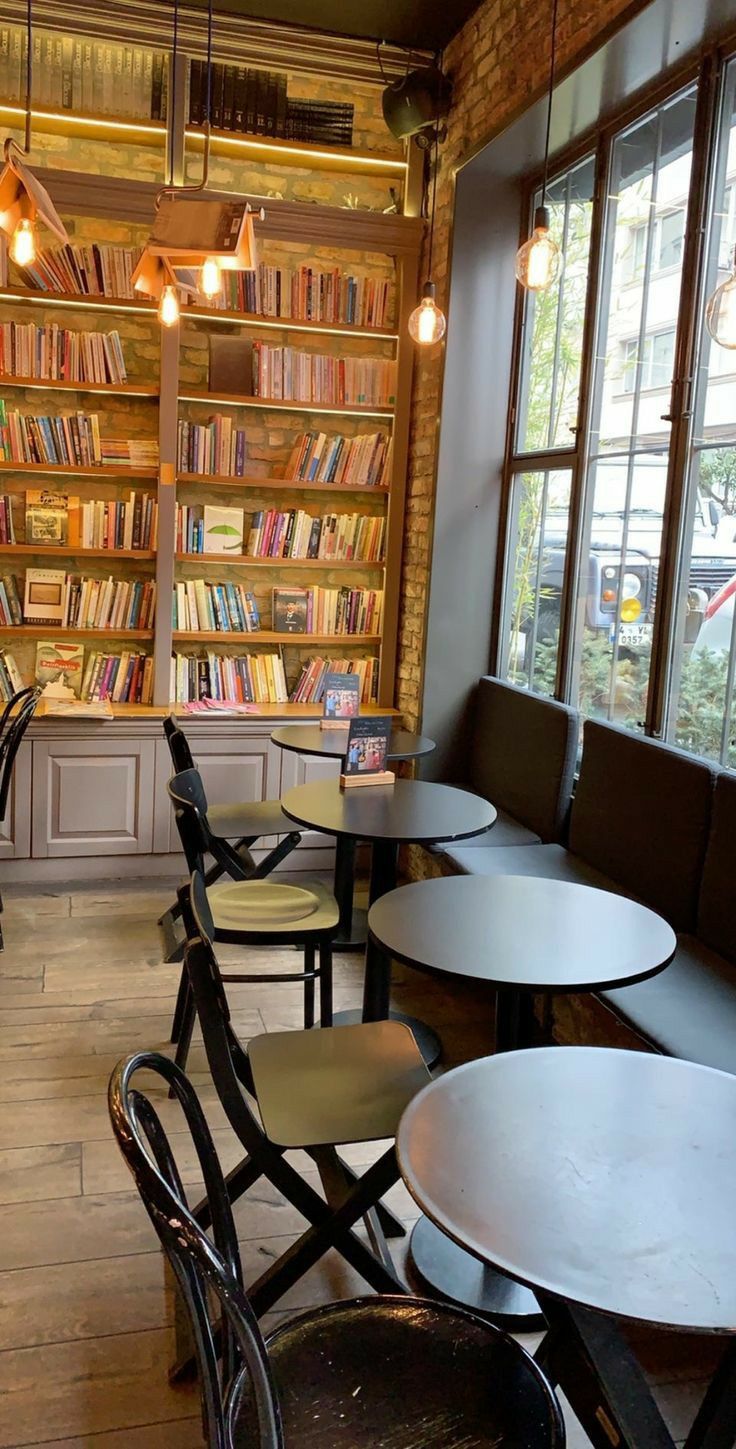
641 815
523 755
689 1010
717 904
550 861
506 831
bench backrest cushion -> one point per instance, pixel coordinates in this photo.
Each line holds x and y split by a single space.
641 814
523 755
717 905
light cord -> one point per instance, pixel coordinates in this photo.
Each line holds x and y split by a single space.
549 99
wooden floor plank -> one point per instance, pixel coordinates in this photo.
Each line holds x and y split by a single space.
30 1173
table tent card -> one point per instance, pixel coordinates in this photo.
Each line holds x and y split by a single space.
366 752
340 701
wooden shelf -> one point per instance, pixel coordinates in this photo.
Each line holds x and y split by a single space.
268 711
289 324
299 153
249 561
77 300
219 480
116 389
68 470
269 636
95 128
53 550
245 400
56 630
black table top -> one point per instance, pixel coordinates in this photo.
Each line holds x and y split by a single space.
311 740
408 811
603 1177
520 931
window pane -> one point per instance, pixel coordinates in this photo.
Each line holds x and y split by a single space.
629 446
540 505
553 322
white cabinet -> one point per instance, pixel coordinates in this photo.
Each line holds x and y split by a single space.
93 796
235 768
302 770
15 831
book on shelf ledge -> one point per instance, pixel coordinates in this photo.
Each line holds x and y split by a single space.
360 461
207 529
7 524
213 447
51 596
71 440
98 270
312 682
52 353
287 374
304 294
58 662
327 611
295 534
125 678
247 678
84 76
218 608
54 518
11 679
218 707
255 102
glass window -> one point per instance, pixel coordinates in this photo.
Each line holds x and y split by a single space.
540 506
670 239
553 322
658 355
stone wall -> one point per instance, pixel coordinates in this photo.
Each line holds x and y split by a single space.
499 63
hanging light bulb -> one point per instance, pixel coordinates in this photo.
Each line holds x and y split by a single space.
538 260
720 312
211 278
23 243
168 307
427 322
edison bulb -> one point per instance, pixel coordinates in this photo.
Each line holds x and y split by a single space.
427 322
168 307
538 260
23 243
720 313
211 280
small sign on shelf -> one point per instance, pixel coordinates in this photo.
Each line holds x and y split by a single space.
340 701
366 753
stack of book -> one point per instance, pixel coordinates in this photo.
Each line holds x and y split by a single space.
133 452
306 295
223 608
213 447
106 523
7 527
326 123
90 77
109 604
67 440
56 354
94 271
327 611
11 679
11 609
310 686
357 462
124 678
296 534
286 373
240 99
247 678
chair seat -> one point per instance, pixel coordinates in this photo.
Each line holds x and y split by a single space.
252 819
379 1371
354 1082
266 906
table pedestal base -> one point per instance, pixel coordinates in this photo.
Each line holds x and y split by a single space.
426 1038
463 1279
352 935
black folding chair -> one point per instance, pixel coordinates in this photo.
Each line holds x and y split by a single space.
13 726
248 911
349 1375
243 824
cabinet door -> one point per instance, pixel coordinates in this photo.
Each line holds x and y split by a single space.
234 768
93 797
302 770
15 830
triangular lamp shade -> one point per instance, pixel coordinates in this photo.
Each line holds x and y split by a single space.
189 230
22 197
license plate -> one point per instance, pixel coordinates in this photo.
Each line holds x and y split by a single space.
631 636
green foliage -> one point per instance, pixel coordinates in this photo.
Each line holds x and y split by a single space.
717 477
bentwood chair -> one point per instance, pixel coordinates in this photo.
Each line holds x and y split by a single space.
15 720
249 912
352 1375
242 824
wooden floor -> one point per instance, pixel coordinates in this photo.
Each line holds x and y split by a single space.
84 1319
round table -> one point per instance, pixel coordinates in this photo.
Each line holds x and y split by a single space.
522 935
407 812
331 744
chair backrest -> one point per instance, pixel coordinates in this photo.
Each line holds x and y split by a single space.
10 743
186 793
199 1265
181 755
13 703
522 755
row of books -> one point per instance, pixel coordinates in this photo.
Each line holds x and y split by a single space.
57 519
310 686
327 611
51 596
93 271
224 608
133 452
213 447
362 461
296 534
289 374
69 440
7 525
58 354
324 123
89 77
11 608
247 678
306 295
255 102
11 679
125 678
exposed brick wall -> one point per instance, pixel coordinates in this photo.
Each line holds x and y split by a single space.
498 62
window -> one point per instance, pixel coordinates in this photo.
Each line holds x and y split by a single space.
670 238
657 360
539 521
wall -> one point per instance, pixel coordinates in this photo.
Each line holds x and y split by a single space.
499 63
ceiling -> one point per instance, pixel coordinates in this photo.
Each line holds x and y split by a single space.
425 24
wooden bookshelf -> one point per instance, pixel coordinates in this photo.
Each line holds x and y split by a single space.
220 480
57 630
275 150
251 561
71 470
270 636
53 550
114 389
77 300
90 127
270 404
289 324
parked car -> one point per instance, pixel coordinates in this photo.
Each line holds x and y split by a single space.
716 631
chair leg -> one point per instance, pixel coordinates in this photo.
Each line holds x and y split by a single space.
275 856
325 983
181 1001
186 1028
309 985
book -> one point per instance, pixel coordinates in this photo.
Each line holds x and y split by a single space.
44 600
341 699
223 530
231 364
367 745
48 517
59 663
290 610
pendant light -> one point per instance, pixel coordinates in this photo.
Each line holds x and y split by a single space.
427 323
720 311
23 200
538 260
